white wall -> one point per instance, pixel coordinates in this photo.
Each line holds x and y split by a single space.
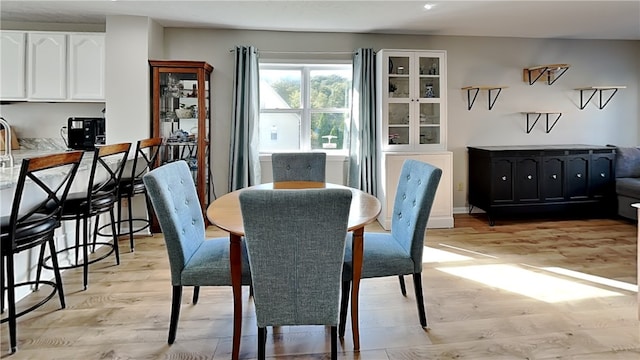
127 85
471 61
45 120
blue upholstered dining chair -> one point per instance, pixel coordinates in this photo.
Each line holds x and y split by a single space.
399 252
296 256
303 166
194 260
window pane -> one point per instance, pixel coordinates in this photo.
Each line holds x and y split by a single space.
328 130
280 89
330 88
279 131
304 106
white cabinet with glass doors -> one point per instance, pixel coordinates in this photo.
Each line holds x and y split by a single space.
412 119
412 92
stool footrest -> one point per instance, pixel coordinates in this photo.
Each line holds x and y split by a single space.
80 263
144 226
50 296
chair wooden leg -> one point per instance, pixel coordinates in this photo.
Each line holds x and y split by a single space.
262 342
196 294
344 304
334 343
417 284
403 288
176 300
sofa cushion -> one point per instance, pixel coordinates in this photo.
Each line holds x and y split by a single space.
627 162
628 187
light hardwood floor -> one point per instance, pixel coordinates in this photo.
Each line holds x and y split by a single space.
519 290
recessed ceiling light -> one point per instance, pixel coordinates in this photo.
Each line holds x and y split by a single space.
428 6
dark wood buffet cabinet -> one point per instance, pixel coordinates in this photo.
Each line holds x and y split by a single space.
571 180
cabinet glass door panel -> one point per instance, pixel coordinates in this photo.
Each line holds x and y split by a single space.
429 113
429 65
399 65
398 135
399 87
429 135
398 114
429 87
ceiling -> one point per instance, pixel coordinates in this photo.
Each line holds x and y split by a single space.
528 19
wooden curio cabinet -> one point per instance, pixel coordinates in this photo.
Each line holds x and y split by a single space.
180 93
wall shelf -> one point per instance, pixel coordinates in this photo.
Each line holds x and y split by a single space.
553 72
492 99
600 90
538 114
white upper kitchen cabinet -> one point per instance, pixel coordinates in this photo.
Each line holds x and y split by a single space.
86 66
47 71
12 65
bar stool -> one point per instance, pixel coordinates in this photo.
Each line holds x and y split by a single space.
100 197
144 160
42 188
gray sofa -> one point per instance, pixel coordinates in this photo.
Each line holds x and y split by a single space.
628 180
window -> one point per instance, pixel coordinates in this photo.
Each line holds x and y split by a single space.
304 107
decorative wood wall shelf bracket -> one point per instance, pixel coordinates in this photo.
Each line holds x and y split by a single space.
492 99
600 90
553 72
550 122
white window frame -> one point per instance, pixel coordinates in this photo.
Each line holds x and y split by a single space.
305 111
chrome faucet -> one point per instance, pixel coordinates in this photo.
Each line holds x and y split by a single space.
6 157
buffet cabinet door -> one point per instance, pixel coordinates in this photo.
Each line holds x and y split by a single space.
502 184
602 176
553 168
577 176
527 174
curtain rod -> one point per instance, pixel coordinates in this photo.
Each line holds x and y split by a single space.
304 52
308 52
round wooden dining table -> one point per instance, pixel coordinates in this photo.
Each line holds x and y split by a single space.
225 213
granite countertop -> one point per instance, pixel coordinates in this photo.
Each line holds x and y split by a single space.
9 176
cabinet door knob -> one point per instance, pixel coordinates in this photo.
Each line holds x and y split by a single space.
529 177
554 176
504 178
578 175
602 175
